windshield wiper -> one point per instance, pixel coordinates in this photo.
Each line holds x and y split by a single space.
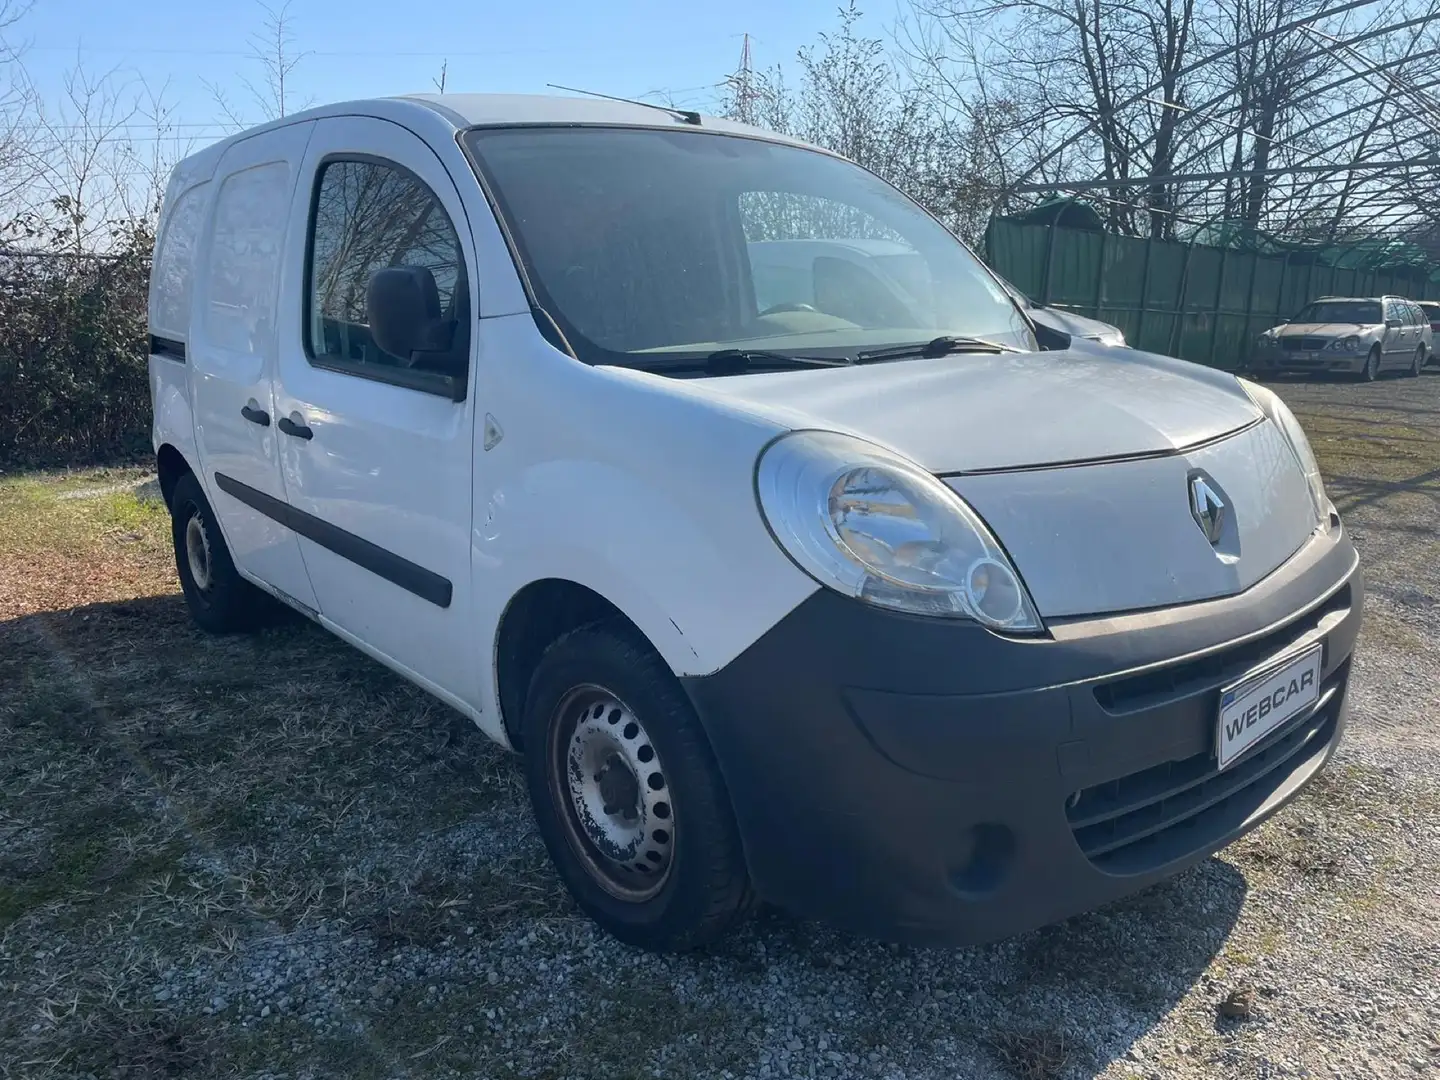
730 361
940 346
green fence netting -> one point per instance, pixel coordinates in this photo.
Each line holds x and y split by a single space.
1198 301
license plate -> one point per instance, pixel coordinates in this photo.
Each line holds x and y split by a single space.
1259 703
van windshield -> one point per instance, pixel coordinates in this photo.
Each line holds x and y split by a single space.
650 246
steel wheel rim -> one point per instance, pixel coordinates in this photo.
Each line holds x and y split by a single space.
1418 362
197 550
613 794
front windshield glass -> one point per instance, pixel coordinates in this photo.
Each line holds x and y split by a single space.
1354 312
648 246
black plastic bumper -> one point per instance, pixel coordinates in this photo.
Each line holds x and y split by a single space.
928 781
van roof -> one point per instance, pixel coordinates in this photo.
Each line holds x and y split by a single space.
455 112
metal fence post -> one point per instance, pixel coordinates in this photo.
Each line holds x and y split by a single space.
1100 275
1180 301
1049 263
1144 293
1280 293
1249 335
1215 311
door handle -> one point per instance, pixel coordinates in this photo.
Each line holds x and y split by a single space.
256 416
289 427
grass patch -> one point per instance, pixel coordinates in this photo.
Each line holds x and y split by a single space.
1031 1055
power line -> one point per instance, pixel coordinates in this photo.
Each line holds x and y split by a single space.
250 53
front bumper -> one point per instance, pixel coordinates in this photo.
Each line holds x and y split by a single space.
1310 360
928 781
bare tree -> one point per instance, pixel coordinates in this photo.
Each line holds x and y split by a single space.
15 101
853 98
273 51
1246 116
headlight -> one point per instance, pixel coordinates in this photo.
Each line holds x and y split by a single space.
1280 415
872 525
1345 344
1115 339
1266 341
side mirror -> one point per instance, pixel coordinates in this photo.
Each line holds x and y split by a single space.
402 305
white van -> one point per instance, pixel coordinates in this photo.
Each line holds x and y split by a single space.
882 605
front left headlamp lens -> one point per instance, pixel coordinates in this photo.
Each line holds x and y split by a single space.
872 525
1280 415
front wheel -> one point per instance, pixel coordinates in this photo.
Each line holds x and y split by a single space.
627 794
1417 363
1371 371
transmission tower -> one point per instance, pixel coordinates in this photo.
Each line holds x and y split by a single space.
742 83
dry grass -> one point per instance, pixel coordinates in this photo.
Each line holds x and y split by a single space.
1032 1055
210 791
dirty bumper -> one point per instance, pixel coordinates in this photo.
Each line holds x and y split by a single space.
925 780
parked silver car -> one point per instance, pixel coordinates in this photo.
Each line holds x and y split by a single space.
1360 335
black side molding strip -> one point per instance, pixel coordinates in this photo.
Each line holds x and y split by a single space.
171 348
411 577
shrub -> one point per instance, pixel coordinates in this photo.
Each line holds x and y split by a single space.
73 358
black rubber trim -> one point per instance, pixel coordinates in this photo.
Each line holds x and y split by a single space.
170 348
395 569
1142 455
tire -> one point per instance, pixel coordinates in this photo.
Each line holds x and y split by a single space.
1371 371
219 599
1417 363
602 699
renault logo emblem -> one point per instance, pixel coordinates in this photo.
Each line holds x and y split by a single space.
1207 508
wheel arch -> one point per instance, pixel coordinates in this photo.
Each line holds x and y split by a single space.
170 466
537 616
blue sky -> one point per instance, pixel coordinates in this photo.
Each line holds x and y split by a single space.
368 47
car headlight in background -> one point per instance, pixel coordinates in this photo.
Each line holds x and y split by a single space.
1280 415
1267 341
872 525
1345 344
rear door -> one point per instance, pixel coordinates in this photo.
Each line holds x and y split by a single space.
376 452
1398 332
232 355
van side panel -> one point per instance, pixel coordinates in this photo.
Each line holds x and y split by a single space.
629 486
231 352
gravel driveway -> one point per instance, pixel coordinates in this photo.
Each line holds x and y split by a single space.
269 857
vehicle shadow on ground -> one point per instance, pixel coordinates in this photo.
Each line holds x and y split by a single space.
334 795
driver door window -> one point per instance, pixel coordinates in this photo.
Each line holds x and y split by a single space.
368 216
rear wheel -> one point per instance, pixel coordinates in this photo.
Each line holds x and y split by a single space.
1418 362
627 794
219 599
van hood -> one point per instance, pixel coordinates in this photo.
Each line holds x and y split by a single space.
988 413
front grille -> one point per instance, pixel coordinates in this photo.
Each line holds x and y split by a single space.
1302 344
1174 681
1150 818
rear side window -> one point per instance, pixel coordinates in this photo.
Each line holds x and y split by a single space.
369 215
245 247
173 274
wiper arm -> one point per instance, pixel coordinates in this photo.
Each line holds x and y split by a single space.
940 346
730 361
741 359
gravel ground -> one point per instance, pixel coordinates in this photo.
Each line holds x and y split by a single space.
268 857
